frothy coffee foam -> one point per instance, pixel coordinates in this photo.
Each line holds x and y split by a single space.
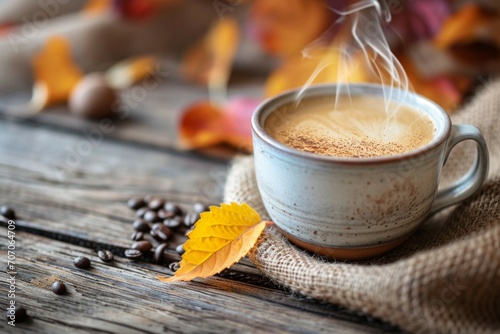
358 126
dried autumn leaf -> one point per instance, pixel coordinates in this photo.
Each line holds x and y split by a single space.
55 74
95 7
220 238
205 124
215 121
224 43
462 26
127 72
285 27
209 62
471 36
201 125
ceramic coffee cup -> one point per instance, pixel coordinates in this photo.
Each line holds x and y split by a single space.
356 208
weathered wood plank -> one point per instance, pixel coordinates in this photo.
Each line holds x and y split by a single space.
90 200
87 207
125 297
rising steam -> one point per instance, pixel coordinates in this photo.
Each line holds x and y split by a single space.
357 39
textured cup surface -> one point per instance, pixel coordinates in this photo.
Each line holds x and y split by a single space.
348 207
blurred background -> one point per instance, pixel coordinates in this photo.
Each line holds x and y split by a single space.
188 74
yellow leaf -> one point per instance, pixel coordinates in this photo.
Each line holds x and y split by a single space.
220 238
55 73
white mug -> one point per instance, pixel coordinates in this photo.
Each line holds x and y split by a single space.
356 208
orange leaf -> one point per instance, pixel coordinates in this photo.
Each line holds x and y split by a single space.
220 238
209 62
285 27
95 7
55 74
205 124
201 125
462 26
129 71
471 36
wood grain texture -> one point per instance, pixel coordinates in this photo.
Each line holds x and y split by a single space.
85 210
91 197
125 297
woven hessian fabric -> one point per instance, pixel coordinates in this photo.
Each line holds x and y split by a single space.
444 279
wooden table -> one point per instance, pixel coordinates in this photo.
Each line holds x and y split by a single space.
69 208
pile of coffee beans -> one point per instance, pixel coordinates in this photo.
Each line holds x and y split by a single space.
157 220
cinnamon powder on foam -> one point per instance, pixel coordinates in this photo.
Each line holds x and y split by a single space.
350 131
309 141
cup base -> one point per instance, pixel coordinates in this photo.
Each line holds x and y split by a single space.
351 254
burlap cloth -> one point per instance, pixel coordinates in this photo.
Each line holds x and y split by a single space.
445 278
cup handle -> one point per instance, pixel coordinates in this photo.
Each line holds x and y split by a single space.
474 178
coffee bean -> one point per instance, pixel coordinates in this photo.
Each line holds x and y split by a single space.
173 208
158 257
136 203
144 246
164 214
58 287
180 249
7 212
137 236
174 266
156 226
191 218
133 253
105 255
173 222
140 213
159 236
140 225
151 216
81 262
156 204
161 231
200 207
20 314
153 234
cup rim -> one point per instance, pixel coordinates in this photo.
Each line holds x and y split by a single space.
289 95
